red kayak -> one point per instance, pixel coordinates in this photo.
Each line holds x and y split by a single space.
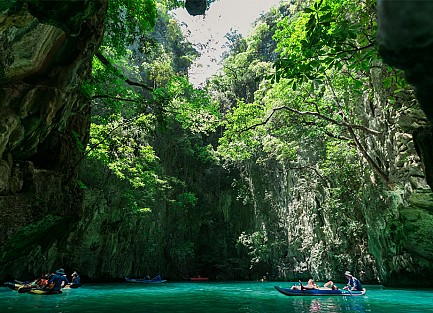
199 278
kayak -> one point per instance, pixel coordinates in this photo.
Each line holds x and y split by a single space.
144 281
21 288
320 292
45 292
198 278
13 286
73 286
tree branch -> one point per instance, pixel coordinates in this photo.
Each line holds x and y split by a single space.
116 71
358 145
316 114
314 170
114 98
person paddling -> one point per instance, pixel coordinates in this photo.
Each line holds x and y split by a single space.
75 280
353 283
56 282
157 278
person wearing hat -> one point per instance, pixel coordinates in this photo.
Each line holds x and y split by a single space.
75 280
56 282
353 283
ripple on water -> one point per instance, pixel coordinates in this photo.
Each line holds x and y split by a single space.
239 297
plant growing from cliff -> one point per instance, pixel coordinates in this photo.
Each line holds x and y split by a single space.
126 20
306 120
138 91
325 56
327 35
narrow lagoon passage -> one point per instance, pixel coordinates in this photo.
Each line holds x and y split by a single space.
216 297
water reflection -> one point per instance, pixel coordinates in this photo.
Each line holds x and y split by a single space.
329 304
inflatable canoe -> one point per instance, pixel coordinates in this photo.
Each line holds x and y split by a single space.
45 292
13 286
320 292
73 286
144 281
21 288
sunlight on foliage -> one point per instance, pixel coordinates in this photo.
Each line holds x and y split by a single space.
193 107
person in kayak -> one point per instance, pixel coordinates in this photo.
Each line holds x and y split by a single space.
75 279
58 280
353 283
157 278
310 285
330 284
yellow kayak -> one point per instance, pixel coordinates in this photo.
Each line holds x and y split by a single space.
45 292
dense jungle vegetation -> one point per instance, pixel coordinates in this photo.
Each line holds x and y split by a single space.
285 134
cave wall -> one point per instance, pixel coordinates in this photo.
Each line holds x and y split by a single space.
46 50
405 38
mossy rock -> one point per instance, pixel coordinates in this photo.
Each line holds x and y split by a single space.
422 200
418 226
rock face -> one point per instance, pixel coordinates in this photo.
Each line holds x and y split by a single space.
196 7
46 50
405 37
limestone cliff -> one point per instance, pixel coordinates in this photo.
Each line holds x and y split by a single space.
381 233
46 52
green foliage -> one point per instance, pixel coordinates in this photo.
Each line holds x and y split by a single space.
122 148
186 200
341 167
127 19
6 4
328 35
258 245
192 107
242 135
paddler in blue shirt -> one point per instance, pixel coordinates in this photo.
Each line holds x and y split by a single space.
353 283
75 279
57 280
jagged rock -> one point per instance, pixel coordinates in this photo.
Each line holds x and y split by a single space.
196 7
405 36
4 176
46 51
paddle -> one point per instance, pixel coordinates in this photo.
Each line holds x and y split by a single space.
348 289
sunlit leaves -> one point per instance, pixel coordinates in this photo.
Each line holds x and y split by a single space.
160 69
192 107
242 134
121 148
328 35
127 19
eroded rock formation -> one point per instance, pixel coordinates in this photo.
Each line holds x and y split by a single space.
46 50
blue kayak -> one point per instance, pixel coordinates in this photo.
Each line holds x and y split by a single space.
144 281
320 292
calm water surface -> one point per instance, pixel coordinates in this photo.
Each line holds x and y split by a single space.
248 297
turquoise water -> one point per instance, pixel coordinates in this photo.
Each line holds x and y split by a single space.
217 297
